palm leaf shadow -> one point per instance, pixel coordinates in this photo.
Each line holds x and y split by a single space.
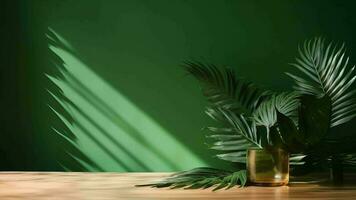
94 100
67 154
108 136
105 109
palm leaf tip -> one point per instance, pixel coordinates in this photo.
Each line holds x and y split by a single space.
325 71
202 178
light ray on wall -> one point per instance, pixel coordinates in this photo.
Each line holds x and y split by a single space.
113 131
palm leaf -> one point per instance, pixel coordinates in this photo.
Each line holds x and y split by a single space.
229 98
243 127
222 88
314 120
296 159
349 161
326 70
240 135
203 177
318 162
266 113
340 149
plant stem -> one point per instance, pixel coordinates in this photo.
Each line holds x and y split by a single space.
336 171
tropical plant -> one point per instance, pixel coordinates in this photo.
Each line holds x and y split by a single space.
297 121
244 109
327 73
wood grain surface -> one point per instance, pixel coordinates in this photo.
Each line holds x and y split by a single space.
109 186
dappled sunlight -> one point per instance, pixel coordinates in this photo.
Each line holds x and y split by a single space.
110 129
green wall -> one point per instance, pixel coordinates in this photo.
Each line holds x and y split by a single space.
115 85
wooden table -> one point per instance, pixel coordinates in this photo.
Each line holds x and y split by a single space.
77 186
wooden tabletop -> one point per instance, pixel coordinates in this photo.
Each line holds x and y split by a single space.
77 186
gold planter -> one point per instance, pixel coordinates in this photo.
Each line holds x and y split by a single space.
267 167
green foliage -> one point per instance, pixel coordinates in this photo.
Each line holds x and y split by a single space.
246 137
297 122
326 72
222 89
285 103
252 107
313 125
315 118
203 178
266 115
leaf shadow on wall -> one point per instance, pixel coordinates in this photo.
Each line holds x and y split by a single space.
66 152
104 126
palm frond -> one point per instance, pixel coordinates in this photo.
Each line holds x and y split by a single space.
326 70
243 127
240 135
296 159
349 161
310 163
286 103
321 158
320 161
203 177
314 119
230 99
222 88
266 114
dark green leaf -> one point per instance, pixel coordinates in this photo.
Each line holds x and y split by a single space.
275 138
314 118
327 73
292 140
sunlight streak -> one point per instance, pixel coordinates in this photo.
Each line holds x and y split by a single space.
110 129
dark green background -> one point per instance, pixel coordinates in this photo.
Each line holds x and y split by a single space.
136 46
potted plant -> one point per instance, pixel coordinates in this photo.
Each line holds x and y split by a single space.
270 131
